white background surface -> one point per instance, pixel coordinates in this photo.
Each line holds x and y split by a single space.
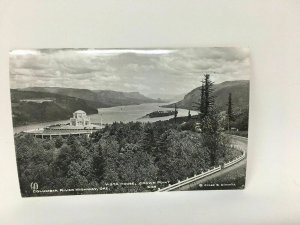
269 28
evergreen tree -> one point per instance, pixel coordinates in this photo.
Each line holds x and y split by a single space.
202 101
59 142
213 139
148 141
229 112
189 115
210 123
98 164
175 113
209 99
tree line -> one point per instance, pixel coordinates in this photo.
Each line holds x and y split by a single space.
119 153
163 151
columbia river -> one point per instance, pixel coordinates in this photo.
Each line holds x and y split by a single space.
117 114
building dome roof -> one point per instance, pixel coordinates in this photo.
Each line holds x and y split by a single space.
80 111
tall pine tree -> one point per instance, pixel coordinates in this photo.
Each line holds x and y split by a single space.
209 99
189 115
229 112
206 99
213 140
175 113
202 101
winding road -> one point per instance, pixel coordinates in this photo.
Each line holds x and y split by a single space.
237 142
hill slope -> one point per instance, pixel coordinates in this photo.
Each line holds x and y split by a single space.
105 98
239 90
61 108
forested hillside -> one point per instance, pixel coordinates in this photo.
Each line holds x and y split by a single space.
239 90
66 101
120 153
105 98
61 108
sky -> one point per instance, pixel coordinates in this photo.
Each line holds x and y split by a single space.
152 72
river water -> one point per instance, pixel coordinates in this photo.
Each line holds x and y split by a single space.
118 114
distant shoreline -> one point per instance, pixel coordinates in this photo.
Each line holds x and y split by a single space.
157 114
106 115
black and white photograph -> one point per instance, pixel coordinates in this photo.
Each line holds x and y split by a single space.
104 121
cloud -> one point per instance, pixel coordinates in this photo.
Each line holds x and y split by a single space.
159 71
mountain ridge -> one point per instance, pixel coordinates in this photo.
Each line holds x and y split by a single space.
64 101
105 97
239 90
60 107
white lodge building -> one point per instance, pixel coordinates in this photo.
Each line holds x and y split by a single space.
80 124
80 119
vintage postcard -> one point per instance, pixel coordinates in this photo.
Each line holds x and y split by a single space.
101 121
